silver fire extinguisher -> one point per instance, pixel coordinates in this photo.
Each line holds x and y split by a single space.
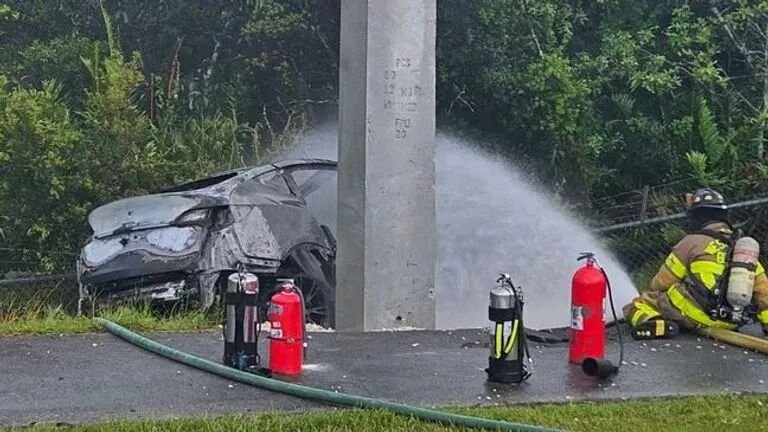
509 361
242 319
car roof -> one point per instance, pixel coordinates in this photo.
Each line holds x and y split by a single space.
256 170
309 163
251 171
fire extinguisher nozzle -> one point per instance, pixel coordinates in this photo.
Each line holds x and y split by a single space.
598 368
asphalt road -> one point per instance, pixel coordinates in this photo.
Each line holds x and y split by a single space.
98 377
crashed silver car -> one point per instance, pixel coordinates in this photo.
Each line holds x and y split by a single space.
273 220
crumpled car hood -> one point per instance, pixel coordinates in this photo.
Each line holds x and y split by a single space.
146 211
166 241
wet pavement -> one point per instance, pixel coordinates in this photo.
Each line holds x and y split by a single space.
97 377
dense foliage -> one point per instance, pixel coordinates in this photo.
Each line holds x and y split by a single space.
101 100
607 96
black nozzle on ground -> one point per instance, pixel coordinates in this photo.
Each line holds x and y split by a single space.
598 368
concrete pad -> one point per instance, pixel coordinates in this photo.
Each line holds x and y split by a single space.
98 377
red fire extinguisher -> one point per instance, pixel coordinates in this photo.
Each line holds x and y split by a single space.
587 333
286 338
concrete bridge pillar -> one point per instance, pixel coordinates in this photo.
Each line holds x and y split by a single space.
386 200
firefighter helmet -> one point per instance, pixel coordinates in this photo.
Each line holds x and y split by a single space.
707 198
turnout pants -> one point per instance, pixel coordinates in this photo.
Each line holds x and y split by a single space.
654 305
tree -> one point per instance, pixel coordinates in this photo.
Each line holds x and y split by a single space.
57 163
40 182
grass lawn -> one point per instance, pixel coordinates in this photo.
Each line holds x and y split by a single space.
711 413
136 317
49 309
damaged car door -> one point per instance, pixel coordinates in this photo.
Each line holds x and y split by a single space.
267 216
312 263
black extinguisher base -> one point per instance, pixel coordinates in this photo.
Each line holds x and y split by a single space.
506 371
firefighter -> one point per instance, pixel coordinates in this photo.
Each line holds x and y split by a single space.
681 293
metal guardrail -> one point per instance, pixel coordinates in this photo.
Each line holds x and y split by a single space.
643 221
31 280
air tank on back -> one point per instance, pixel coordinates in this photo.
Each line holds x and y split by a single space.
742 274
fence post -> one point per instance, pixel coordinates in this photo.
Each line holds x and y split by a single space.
644 207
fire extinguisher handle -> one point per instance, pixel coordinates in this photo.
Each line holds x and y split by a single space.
589 256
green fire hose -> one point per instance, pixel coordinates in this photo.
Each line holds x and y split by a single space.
311 393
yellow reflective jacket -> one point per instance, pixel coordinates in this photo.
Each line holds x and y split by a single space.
703 257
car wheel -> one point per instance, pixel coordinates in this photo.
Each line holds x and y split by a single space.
318 299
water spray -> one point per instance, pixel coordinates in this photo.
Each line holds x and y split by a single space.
506 204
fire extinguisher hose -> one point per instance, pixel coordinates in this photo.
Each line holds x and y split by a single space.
311 393
615 319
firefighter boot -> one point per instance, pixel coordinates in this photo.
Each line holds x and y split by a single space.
657 328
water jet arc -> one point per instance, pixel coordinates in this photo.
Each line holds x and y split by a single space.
493 219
